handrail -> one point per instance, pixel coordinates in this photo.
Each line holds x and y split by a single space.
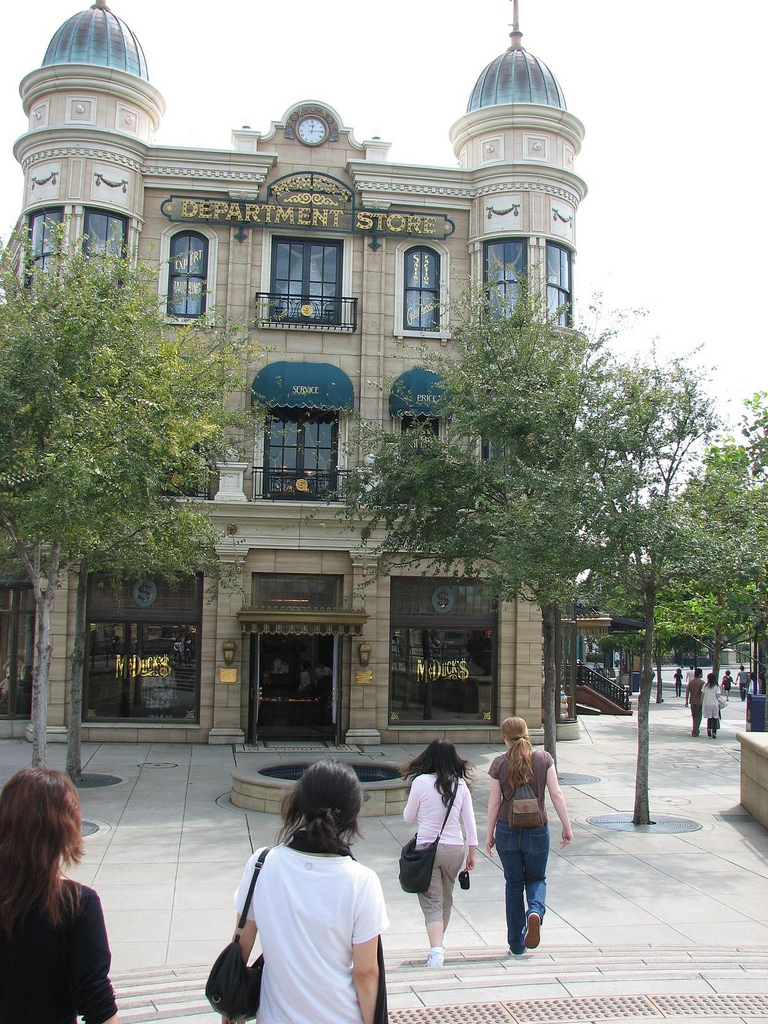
617 694
312 312
300 485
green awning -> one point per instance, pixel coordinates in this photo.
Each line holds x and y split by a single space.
418 392
303 386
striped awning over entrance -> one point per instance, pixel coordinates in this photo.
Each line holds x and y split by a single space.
307 623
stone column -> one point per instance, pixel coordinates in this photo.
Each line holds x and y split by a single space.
229 679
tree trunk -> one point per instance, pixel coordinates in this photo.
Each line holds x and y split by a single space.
642 814
549 614
717 648
659 684
43 648
76 662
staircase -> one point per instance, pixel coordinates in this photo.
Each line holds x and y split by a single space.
486 986
600 693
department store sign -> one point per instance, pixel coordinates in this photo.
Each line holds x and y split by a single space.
308 201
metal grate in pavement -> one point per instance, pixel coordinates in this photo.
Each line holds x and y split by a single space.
714 1005
94 781
475 1013
567 779
660 823
88 828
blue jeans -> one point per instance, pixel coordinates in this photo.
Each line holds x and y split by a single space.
523 853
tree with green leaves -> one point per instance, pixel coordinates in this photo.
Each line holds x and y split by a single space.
649 423
503 494
108 417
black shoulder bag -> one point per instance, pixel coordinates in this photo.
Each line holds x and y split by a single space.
416 865
233 988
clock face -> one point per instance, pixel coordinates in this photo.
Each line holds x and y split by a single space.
312 131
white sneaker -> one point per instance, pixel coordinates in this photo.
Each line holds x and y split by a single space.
436 958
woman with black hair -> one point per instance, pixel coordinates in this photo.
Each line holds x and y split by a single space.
439 786
318 912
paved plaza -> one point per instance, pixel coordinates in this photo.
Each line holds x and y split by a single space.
638 917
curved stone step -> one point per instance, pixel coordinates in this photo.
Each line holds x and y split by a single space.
548 984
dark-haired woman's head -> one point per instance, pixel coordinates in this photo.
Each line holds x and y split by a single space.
325 803
440 758
711 679
40 830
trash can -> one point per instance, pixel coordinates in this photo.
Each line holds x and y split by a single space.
755 712
635 682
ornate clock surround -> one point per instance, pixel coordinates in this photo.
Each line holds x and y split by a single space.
309 110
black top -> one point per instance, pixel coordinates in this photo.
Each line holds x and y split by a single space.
51 975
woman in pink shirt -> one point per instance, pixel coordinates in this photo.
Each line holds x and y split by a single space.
438 773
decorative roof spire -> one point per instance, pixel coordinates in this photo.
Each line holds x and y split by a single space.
101 4
515 35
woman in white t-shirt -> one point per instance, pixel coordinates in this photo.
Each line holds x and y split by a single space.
317 911
438 773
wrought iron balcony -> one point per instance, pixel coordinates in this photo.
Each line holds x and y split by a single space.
300 485
308 312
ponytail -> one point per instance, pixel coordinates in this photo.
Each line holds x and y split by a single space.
520 770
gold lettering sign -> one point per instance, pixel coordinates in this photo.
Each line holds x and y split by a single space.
434 670
153 667
308 211
363 676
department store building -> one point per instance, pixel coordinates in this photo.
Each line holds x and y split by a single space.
342 264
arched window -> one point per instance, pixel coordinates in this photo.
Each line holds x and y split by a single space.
505 263
104 233
421 306
42 235
559 283
187 275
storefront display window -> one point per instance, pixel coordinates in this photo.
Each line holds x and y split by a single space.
143 656
17 649
443 653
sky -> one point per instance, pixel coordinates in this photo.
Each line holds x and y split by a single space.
671 94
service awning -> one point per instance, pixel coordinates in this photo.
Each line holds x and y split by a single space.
317 622
418 392
303 386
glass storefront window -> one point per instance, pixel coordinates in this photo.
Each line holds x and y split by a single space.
17 651
143 656
443 655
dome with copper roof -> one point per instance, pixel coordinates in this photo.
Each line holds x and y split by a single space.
516 77
97 36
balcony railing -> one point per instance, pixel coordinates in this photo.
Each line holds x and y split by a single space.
616 693
300 485
309 312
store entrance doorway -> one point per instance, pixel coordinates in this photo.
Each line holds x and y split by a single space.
295 687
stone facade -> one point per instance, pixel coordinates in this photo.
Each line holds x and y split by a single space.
306 181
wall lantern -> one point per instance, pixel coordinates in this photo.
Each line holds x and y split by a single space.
364 653
228 649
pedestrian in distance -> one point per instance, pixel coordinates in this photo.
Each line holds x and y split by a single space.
742 680
693 700
726 683
439 787
318 912
710 705
54 953
679 682
523 852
